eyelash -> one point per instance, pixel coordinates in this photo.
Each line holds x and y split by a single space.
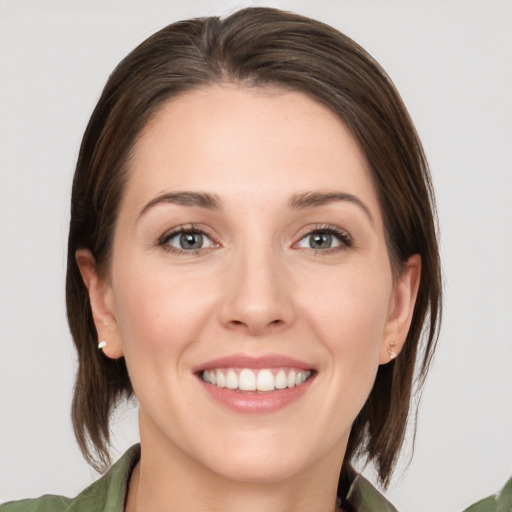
346 241
342 236
183 230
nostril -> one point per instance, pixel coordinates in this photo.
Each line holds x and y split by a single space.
254 326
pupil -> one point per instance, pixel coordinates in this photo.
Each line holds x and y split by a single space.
191 241
320 241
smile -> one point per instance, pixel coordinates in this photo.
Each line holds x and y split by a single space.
263 384
262 380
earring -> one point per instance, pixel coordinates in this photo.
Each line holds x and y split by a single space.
391 352
102 344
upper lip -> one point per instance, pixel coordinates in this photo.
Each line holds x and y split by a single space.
254 362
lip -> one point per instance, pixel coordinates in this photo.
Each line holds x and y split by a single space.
254 402
254 362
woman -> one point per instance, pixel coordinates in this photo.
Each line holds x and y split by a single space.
252 249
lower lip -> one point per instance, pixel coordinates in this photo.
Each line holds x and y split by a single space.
254 402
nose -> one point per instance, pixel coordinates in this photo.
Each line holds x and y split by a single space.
258 295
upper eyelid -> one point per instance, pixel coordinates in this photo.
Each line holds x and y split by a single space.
343 234
173 234
324 227
186 228
163 241
345 239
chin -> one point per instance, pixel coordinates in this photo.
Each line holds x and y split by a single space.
266 457
263 469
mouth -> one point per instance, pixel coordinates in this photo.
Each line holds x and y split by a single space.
262 380
249 384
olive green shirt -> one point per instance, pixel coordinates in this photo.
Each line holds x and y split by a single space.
108 494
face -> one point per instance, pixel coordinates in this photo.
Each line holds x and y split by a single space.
250 288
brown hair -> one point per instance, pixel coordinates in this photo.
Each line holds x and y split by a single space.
257 47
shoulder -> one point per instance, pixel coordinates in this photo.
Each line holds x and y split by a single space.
362 496
107 493
499 502
42 504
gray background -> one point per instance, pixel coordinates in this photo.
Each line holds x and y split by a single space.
452 62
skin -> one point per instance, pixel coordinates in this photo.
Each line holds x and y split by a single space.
255 287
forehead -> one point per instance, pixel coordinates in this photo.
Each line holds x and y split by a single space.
231 140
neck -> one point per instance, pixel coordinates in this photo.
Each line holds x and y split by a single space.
150 495
166 479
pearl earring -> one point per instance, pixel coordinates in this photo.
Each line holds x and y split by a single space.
102 344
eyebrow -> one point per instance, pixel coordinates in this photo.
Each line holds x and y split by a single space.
315 199
200 199
304 200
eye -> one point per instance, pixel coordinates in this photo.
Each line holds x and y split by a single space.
324 239
189 240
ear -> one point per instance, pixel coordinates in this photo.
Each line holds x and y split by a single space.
102 304
401 309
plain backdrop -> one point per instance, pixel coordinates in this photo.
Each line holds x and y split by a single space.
452 62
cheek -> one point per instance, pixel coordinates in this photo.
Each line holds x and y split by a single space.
350 316
354 305
158 311
160 316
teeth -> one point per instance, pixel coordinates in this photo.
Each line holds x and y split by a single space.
291 379
246 380
231 380
281 381
259 380
265 381
221 379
